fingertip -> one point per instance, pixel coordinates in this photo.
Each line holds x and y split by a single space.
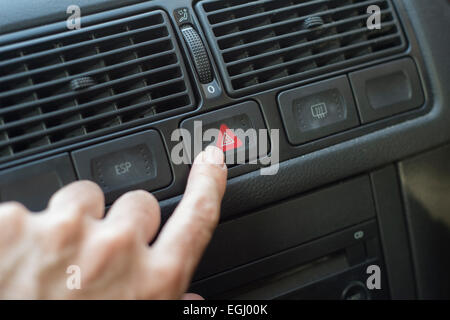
140 210
13 206
208 173
141 198
211 155
82 186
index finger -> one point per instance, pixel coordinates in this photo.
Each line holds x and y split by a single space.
188 231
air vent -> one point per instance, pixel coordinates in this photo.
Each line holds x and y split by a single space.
265 43
75 85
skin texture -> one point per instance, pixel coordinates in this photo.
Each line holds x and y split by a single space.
113 255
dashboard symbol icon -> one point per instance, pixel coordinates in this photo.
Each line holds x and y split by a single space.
319 111
183 15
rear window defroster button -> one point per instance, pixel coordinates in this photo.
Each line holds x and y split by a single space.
318 110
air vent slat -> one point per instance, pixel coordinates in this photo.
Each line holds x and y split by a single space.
153 61
266 14
137 73
79 107
265 8
71 94
222 6
309 45
59 49
292 36
262 44
88 59
85 121
34 113
297 21
320 55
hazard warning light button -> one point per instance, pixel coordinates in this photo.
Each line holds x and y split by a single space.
227 140
238 130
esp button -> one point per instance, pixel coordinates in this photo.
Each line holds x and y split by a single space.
134 162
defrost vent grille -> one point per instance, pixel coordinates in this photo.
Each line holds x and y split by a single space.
265 43
78 84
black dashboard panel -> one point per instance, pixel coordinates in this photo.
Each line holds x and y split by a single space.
426 183
417 119
289 224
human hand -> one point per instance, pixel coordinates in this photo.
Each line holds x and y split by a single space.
112 254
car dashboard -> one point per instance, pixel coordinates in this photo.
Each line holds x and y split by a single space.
348 171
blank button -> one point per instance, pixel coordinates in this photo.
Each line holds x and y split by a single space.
33 184
396 84
386 90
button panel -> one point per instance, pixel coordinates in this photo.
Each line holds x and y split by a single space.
318 110
233 135
134 162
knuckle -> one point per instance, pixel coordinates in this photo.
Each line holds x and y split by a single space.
146 199
71 219
207 209
89 185
62 231
71 194
112 249
138 194
144 206
12 220
118 240
213 172
11 209
77 208
213 178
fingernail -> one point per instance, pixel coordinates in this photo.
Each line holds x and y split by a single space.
214 155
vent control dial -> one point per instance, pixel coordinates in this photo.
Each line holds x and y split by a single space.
199 54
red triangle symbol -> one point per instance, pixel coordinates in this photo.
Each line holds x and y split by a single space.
227 140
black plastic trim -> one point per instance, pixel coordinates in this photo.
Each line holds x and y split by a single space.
393 233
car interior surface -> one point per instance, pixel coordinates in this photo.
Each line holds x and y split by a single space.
347 174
